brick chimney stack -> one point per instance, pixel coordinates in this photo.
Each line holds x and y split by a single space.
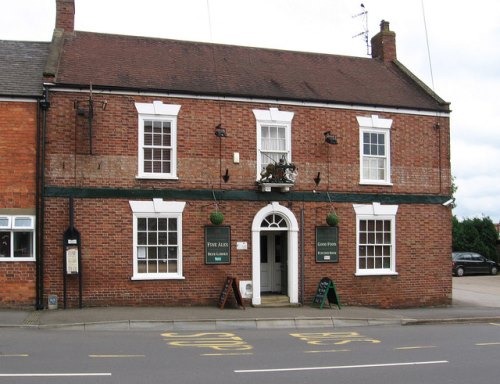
384 44
65 15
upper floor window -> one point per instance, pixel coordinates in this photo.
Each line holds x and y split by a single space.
274 137
17 238
157 140
375 150
376 239
157 239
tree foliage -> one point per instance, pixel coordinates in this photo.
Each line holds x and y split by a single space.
475 235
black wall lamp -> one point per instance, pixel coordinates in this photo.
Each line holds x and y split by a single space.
220 131
317 179
329 138
225 177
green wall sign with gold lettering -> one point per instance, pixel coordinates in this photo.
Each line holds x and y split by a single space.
217 244
327 249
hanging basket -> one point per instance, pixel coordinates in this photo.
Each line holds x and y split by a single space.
216 218
332 219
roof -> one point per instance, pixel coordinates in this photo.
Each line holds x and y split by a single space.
162 65
21 68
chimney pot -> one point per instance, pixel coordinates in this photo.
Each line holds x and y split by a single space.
384 44
65 15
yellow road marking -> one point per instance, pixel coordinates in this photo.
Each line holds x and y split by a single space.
329 350
482 344
416 347
115 356
497 324
14 355
219 341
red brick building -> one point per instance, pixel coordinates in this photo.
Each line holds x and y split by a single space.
21 66
147 137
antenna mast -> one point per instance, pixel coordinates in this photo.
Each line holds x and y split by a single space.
365 34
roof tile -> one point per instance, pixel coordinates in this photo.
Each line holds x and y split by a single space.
139 63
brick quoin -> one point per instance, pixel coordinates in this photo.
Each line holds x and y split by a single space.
419 166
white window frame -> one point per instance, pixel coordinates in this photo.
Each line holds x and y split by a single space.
376 211
12 228
157 208
273 117
374 124
157 111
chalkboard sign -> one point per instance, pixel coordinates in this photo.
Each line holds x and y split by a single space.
327 244
326 290
217 245
230 283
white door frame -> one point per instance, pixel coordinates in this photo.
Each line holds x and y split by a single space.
293 251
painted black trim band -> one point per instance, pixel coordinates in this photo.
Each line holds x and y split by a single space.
241 195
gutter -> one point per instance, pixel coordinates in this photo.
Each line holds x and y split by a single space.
74 88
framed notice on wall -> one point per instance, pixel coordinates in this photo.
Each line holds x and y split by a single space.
327 249
217 244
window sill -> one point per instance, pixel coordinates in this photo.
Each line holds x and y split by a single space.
155 277
376 273
16 259
156 177
374 182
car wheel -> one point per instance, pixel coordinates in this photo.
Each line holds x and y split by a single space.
494 270
460 271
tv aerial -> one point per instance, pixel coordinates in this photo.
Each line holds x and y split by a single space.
364 15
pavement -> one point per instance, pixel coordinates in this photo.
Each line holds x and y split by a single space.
475 299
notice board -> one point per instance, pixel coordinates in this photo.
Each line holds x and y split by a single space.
326 291
230 284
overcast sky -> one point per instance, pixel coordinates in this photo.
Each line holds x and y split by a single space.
463 41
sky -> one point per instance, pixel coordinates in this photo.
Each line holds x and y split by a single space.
450 45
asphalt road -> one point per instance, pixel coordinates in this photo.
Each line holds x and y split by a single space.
432 354
477 291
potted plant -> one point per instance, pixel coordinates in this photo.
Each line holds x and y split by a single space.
216 217
332 219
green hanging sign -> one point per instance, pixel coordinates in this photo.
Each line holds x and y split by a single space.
217 245
327 250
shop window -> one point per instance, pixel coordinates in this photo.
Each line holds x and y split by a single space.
17 238
375 239
157 239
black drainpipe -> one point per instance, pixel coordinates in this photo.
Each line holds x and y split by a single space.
43 106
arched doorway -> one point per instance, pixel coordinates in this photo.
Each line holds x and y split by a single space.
275 253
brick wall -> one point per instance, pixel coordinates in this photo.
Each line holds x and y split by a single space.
420 165
422 256
415 153
17 190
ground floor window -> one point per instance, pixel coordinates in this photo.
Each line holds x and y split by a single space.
157 228
17 238
375 239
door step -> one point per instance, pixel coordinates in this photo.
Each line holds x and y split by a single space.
274 301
